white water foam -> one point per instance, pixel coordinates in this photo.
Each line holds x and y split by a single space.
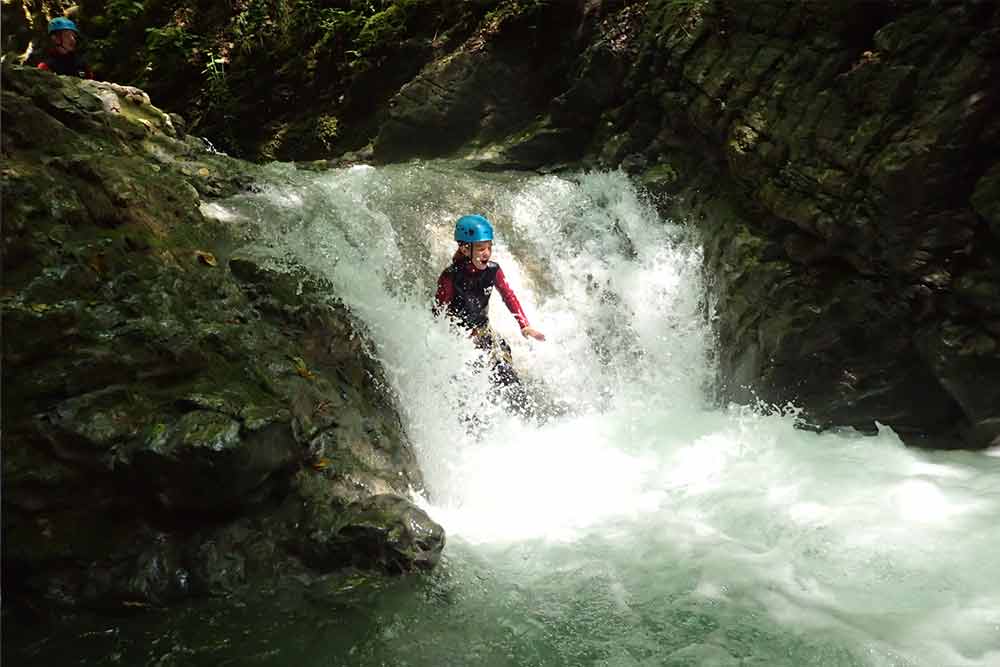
790 547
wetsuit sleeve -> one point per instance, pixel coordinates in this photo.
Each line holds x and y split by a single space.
445 292
513 305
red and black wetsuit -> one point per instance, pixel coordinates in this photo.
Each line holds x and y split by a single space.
465 291
67 64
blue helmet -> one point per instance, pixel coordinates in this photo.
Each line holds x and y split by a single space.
472 229
62 23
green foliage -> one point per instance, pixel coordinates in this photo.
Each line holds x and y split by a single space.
327 130
514 9
215 62
216 93
109 32
168 45
216 102
383 27
337 22
253 26
119 11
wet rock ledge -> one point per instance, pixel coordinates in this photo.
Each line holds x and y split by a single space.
178 420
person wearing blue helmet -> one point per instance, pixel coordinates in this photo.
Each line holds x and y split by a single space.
62 56
464 290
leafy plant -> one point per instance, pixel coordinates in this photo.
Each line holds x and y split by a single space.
119 11
339 21
327 130
168 46
216 85
254 26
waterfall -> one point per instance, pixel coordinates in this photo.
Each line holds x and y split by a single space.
639 524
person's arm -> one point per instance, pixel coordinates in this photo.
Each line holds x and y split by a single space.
514 306
445 293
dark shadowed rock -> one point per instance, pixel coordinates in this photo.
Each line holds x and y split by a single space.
847 196
384 529
485 97
986 198
162 391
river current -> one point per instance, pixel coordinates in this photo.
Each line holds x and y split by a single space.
641 523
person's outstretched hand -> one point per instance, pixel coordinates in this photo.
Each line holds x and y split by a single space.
533 333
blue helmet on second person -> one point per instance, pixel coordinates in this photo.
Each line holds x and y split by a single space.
473 229
62 23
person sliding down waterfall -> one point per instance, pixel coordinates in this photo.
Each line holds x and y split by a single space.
463 292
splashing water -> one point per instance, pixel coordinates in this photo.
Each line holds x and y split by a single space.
643 526
640 526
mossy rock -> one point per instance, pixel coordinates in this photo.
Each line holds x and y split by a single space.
161 388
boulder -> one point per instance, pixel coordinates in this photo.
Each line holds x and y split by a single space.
164 389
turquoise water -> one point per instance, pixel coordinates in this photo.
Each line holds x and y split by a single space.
646 526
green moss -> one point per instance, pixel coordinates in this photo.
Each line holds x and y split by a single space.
382 28
663 174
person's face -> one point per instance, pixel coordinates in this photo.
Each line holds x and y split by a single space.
479 253
64 40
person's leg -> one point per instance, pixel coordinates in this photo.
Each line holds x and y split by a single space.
509 385
503 363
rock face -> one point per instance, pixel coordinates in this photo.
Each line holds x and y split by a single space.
853 255
493 91
178 419
840 164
